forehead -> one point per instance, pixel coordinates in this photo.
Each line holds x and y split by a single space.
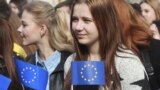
81 10
27 16
146 5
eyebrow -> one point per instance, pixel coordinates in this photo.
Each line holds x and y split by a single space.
89 18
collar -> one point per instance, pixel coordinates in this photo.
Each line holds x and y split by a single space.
51 62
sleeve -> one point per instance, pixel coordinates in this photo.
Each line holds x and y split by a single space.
67 64
132 74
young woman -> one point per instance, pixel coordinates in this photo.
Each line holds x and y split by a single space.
100 34
151 12
43 27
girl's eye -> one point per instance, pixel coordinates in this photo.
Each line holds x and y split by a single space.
86 20
146 11
74 19
24 25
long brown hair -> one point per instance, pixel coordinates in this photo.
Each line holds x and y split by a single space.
6 42
114 29
135 31
105 19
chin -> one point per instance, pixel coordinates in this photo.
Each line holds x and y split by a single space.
83 42
26 43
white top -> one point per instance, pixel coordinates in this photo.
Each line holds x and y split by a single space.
129 67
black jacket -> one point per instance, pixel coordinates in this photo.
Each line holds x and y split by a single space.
154 53
57 77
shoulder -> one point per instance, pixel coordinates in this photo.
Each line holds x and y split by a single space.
67 64
130 70
127 59
65 55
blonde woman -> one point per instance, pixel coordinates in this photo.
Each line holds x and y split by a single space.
44 27
151 12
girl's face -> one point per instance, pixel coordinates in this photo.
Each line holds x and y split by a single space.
148 12
14 8
29 30
83 25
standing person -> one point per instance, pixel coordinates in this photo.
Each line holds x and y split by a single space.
99 35
151 12
7 65
42 26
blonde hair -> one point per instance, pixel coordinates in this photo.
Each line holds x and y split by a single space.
155 4
59 37
63 35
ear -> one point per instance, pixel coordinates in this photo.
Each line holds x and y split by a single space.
43 30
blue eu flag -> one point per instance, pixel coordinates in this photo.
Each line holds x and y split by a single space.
88 73
4 82
32 76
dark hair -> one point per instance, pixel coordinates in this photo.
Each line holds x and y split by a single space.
7 54
5 10
20 5
67 3
136 7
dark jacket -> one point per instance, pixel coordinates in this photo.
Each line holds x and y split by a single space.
57 77
154 52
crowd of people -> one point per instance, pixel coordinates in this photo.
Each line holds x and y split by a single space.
124 36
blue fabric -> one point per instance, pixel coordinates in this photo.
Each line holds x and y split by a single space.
31 75
88 73
50 63
4 82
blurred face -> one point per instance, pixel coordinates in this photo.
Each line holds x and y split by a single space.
29 30
148 13
14 8
83 25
